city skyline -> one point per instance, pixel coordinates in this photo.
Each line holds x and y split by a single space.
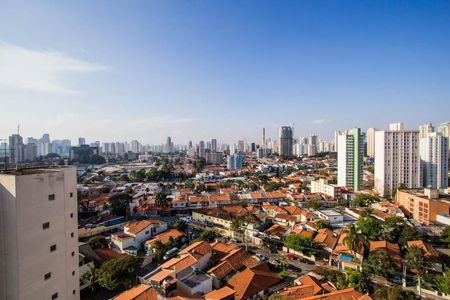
151 70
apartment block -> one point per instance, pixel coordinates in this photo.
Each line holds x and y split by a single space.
38 234
350 159
397 161
423 206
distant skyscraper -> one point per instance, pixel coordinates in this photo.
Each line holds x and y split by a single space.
168 146
371 141
286 141
312 145
16 149
81 141
135 146
214 145
350 159
444 129
241 146
264 145
39 235
201 149
425 129
397 160
434 159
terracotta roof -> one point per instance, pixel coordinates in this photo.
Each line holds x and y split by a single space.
137 226
346 294
296 292
220 294
233 262
277 230
198 248
286 217
164 237
253 280
106 254
391 248
311 281
326 238
219 197
223 248
139 292
429 252
161 275
302 232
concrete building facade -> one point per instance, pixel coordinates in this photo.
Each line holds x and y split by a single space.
434 160
38 234
350 159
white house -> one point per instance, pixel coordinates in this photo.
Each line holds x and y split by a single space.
331 215
135 233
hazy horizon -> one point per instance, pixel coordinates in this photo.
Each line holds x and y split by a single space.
116 71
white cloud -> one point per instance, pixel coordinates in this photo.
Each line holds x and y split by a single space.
41 71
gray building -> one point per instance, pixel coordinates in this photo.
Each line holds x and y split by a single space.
286 141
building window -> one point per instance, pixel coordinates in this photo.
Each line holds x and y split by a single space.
73 253
73 273
46 225
48 275
55 296
51 197
71 195
74 292
71 234
52 248
147 232
71 215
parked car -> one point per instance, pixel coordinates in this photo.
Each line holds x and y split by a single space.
171 253
294 268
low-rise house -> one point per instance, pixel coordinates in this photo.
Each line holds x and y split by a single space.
301 214
217 200
431 255
326 238
196 283
198 202
224 293
392 249
135 233
165 238
253 282
332 216
284 219
342 257
139 292
322 186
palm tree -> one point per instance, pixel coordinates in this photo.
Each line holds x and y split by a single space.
161 200
415 259
354 239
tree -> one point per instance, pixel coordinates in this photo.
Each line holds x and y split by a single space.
209 235
369 227
118 272
240 224
180 225
272 186
97 159
158 250
90 277
364 200
415 260
161 200
443 282
358 280
98 242
392 228
354 239
199 164
380 263
394 293
124 177
298 242
408 234
446 235
119 203
313 204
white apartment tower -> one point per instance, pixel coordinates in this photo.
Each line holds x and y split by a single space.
397 160
371 141
350 159
434 160
38 234
425 129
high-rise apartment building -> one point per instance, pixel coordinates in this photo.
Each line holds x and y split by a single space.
425 129
286 141
370 136
16 146
214 145
234 162
312 145
39 234
135 146
397 161
350 159
81 141
201 149
444 129
434 160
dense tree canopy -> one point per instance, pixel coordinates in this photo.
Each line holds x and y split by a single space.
369 227
379 263
209 235
300 243
364 200
119 203
118 272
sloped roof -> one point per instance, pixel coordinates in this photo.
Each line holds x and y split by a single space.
253 280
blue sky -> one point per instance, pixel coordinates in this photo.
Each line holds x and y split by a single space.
122 70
